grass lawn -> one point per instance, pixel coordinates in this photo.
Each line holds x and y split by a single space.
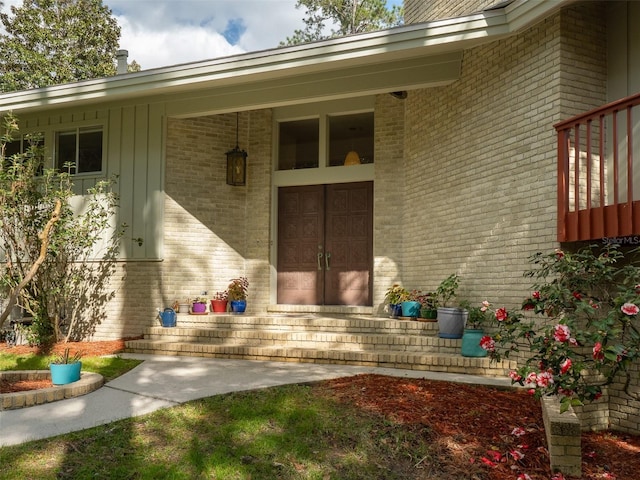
290 432
108 367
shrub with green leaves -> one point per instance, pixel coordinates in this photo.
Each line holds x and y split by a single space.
587 332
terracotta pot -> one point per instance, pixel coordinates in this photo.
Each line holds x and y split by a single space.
219 306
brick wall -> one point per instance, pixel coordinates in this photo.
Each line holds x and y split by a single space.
388 196
416 11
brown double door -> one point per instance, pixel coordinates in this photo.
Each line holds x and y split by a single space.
325 244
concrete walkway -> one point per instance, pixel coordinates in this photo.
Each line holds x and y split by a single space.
161 382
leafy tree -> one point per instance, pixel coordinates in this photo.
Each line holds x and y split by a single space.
48 42
348 17
48 250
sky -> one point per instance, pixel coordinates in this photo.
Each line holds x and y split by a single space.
159 33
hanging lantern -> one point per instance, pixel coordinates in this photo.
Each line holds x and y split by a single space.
236 163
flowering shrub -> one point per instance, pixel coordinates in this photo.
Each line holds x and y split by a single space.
479 315
588 332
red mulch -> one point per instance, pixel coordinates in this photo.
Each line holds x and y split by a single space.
471 426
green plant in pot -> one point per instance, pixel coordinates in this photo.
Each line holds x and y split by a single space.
394 296
451 320
199 306
65 368
410 305
237 294
478 316
428 305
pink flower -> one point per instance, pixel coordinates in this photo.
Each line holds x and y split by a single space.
513 375
558 476
501 314
630 309
577 295
544 379
523 476
638 288
485 306
536 295
565 366
598 354
518 432
531 391
516 454
559 254
561 333
532 378
488 343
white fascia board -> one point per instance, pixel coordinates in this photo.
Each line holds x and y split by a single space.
411 41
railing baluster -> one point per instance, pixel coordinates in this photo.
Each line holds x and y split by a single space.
583 217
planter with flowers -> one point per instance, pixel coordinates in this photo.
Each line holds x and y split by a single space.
451 320
473 330
237 294
394 296
219 302
588 333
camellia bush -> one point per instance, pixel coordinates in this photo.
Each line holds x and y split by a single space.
579 328
56 260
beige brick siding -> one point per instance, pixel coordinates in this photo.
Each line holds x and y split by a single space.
388 196
416 11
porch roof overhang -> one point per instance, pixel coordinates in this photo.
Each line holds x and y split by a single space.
402 58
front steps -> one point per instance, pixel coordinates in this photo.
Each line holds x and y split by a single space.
316 338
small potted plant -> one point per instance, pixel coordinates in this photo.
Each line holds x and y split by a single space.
394 297
65 368
410 304
451 320
428 306
473 330
237 294
199 306
219 302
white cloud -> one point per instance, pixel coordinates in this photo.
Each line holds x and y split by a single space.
167 32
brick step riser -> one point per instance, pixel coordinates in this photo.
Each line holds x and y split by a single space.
450 363
308 324
427 347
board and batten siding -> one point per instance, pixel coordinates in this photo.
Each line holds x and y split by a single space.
133 151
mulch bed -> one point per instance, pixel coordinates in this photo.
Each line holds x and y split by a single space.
471 426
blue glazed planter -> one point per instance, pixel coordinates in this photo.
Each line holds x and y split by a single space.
395 310
238 306
63 373
410 309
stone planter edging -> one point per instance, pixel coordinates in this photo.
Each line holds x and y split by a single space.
8 401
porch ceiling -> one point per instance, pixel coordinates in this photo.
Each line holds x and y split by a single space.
406 57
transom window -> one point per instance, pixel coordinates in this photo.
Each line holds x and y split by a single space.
331 140
79 150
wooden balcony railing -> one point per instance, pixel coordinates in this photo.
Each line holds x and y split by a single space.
599 173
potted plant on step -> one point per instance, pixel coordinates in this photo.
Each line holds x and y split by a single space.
393 297
451 320
65 368
199 306
237 294
473 330
219 302
410 304
428 306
